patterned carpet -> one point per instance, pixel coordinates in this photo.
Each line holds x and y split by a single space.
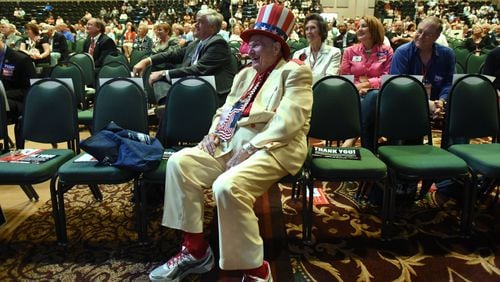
347 246
346 243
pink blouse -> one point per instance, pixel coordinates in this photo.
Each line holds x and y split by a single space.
356 62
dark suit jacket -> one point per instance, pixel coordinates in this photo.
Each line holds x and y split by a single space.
103 47
59 44
15 74
215 59
351 39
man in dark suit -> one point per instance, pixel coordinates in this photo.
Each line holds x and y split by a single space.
345 38
58 45
208 55
98 44
16 69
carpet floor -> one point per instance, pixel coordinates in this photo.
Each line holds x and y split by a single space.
346 243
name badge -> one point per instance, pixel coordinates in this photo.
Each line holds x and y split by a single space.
356 59
8 70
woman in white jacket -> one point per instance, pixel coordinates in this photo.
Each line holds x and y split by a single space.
323 59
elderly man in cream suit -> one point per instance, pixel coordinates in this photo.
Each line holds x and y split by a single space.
257 137
323 59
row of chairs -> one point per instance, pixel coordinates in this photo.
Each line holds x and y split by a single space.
402 115
51 117
467 62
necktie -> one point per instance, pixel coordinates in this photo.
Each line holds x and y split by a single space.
91 47
194 59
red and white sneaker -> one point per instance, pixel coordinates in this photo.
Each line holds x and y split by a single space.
181 265
250 278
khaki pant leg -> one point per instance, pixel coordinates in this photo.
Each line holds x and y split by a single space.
235 191
188 173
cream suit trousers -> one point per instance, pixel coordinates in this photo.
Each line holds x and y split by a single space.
191 170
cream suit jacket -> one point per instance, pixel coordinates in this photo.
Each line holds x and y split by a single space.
327 63
279 118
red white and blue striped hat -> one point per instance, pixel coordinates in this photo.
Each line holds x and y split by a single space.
274 21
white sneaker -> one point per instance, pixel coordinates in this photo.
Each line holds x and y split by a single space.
181 265
250 278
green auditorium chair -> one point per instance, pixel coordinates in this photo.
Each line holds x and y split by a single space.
49 117
336 117
120 100
403 118
136 56
190 106
86 63
472 112
474 63
461 55
75 73
112 69
116 57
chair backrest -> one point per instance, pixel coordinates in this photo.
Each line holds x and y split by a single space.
461 55
336 109
113 69
86 63
123 101
137 55
402 110
3 119
474 63
472 110
79 45
190 107
50 114
115 57
73 71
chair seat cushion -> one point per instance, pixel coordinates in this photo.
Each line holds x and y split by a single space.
482 158
156 175
85 117
422 160
93 173
18 173
369 167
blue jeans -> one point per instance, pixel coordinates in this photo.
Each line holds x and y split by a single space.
368 104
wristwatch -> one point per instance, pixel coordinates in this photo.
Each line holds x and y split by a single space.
249 148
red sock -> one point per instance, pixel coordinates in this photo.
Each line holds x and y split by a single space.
196 244
261 271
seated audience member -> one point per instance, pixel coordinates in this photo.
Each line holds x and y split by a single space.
235 35
142 41
16 70
477 41
58 46
345 38
397 35
98 44
36 45
128 39
492 66
323 59
208 55
368 61
164 39
223 31
423 56
10 36
256 138
436 63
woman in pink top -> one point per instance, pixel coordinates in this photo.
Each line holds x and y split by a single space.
368 61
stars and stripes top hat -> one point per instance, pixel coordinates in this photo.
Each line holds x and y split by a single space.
274 21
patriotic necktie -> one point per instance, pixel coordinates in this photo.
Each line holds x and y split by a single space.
91 47
194 59
227 124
